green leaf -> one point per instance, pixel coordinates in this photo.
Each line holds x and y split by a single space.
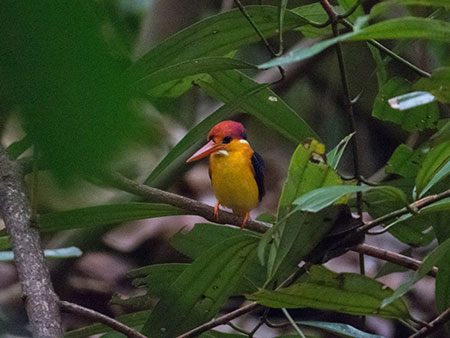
19 147
75 112
342 330
200 131
335 154
295 234
410 100
399 28
405 161
318 199
435 166
55 253
104 214
193 300
438 84
227 85
417 118
183 69
325 290
214 36
428 263
131 320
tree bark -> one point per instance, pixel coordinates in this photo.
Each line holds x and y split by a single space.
41 302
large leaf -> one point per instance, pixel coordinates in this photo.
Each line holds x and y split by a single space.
104 214
428 263
215 36
318 199
193 300
417 118
183 69
438 84
200 131
405 161
399 28
435 166
293 237
227 85
325 290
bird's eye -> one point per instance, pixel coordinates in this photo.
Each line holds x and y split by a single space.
211 137
226 139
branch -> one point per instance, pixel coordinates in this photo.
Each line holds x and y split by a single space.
220 321
41 302
433 326
194 207
415 206
393 257
101 318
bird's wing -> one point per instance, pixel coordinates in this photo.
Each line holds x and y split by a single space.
258 167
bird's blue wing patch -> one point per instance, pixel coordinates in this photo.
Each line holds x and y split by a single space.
258 166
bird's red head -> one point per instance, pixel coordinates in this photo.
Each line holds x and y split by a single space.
220 135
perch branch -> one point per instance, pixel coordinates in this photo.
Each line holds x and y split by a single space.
101 318
41 301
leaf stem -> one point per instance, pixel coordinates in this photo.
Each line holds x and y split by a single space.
293 323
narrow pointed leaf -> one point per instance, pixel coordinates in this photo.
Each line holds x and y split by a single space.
335 154
191 300
227 85
342 330
428 263
320 198
104 214
325 290
435 166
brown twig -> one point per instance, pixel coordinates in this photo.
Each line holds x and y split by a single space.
196 208
416 206
41 302
389 256
433 326
101 318
220 320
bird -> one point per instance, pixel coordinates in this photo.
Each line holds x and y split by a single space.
235 170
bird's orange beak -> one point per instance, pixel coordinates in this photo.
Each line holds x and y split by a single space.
206 150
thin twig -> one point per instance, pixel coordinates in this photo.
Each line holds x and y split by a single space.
389 256
41 301
293 323
417 205
101 318
220 320
433 326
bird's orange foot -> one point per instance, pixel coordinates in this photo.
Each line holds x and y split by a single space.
244 222
216 211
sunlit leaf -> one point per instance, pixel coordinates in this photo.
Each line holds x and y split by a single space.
435 166
417 118
428 263
104 214
325 290
410 100
193 300
320 198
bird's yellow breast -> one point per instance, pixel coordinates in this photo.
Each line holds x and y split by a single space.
232 177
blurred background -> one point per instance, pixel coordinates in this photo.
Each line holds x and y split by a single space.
76 54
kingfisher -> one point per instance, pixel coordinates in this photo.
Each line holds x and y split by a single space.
235 170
